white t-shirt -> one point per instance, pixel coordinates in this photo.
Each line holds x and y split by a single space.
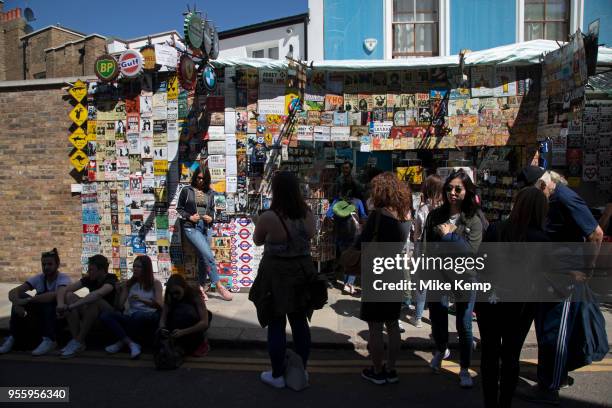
38 282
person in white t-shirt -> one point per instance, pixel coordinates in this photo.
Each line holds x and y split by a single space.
38 311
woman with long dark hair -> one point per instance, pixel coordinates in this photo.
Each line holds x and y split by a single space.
196 207
143 294
279 291
184 316
392 205
504 325
458 221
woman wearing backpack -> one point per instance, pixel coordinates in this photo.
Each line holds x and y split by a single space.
456 221
280 288
184 316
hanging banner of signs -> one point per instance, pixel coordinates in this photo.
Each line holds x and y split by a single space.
194 30
148 54
131 63
187 72
106 68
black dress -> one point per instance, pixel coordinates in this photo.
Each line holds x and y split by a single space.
389 230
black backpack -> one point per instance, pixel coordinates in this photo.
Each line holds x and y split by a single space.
167 355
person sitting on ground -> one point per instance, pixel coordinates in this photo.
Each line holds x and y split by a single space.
145 299
184 316
36 312
82 313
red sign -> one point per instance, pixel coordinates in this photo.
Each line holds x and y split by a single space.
91 229
131 63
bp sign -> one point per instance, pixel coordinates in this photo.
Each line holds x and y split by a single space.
106 68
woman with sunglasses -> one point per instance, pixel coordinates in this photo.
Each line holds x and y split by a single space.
143 294
184 316
196 207
457 220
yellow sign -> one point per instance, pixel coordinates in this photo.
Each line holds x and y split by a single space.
78 114
79 160
91 130
79 90
116 240
160 167
173 88
78 138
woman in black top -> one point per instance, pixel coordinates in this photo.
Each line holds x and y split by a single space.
196 207
391 200
184 315
504 325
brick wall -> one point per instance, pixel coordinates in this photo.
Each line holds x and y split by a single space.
66 61
38 210
35 52
13 57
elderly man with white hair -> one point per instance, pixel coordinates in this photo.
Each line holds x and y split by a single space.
569 220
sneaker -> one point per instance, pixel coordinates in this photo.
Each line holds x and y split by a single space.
46 345
371 376
567 383
401 326
114 348
538 395
66 346
416 322
465 379
392 377
203 349
72 349
135 350
436 361
278 382
8 344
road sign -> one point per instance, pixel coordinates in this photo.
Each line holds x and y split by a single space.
78 114
106 67
173 88
79 160
78 138
78 90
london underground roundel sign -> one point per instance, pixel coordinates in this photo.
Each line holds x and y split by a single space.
131 63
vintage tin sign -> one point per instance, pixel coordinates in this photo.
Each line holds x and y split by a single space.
106 68
131 63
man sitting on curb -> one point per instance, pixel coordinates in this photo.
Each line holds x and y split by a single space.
36 312
81 313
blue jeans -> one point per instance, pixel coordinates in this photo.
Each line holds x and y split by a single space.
200 238
277 340
140 325
438 314
420 298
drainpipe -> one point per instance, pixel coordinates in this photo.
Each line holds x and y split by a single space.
23 49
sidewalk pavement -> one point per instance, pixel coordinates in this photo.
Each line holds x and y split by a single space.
337 325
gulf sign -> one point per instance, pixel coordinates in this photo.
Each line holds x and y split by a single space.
131 63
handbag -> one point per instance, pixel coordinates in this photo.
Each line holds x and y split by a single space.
296 377
350 259
588 341
167 355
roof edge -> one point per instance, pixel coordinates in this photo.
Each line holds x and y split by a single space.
49 27
262 26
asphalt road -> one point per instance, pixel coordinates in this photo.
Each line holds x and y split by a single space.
230 378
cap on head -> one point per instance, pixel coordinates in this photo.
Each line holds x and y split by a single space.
530 174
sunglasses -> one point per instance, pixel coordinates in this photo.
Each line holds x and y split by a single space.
458 189
200 178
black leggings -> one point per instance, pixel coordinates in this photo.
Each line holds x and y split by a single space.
503 328
277 340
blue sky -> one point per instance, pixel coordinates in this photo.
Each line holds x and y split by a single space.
133 18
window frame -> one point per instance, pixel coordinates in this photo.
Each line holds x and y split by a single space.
435 44
567 21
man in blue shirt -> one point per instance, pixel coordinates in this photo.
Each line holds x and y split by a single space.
569 220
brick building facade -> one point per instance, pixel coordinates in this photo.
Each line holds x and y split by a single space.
50 52
38 210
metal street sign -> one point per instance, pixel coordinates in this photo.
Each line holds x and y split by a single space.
194 30
79 90
78 138
78 114
106 67
79 160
